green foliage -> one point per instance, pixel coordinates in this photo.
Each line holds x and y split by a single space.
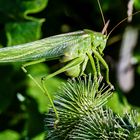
9 134
19 26
17 32
137 4
20 9
22 104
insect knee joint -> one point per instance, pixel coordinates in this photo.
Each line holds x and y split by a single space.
24 70
43 79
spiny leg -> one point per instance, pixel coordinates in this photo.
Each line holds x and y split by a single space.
84 65
97 64
43 88
105 65
29 75
71 64
94 69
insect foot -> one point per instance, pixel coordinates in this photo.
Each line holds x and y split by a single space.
43 78
100 77
111 86
56 123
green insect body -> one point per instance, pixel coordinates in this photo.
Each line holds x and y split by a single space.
74 49
65 47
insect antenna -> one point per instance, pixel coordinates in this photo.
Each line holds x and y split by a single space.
105 27
105 24
122 22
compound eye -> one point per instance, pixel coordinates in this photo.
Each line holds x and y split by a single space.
104 37
99 38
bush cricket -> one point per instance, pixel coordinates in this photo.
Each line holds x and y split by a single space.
74 48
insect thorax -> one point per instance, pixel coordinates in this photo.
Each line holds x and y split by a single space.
78 49
98 40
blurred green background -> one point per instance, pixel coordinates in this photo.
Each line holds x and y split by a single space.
22 105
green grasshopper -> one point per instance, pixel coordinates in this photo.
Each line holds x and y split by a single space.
74 49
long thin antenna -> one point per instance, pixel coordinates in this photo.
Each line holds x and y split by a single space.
122 22
101 13
105 27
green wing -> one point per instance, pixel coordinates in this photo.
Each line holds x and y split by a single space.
48 48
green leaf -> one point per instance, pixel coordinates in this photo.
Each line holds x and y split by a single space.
22 32
17 10
39 137
118 103
9 134
137 4
19 28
